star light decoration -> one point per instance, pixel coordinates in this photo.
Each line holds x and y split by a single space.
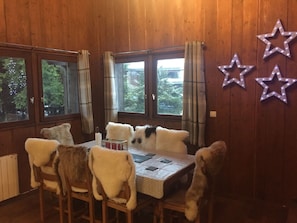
287 83
224 68
269 50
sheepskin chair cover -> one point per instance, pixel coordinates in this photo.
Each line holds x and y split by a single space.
144 138
171 140
119 131
209 161
39 153
112 168
73 162
60 132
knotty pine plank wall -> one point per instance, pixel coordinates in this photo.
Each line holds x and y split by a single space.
260 136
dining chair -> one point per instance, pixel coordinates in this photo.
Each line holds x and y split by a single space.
114 182
171 140
186 202
76 181
61 133
119 131
42 155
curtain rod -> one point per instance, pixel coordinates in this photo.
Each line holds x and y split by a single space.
154 50
28 47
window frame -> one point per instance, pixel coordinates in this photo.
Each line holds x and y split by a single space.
150 58
21 53
32 57
57 57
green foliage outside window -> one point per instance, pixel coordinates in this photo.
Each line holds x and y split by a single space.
13 89
53 87
131 88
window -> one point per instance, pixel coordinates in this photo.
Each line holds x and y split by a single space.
131 92
60 89
170 77
27 75
13 92
150 84
14 82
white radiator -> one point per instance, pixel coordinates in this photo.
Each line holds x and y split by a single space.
9 179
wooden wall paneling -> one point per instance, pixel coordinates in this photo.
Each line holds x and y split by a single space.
163 36
290 131
81 29
2 22
35 22
180 20
19 136
66 38
137 25
249 57
96 68
63 38
223 57
17 21
107 21
242 100
159 24
270 125
150 24
290 134
47 24
39 23
5 142
121 26
190 22
212 76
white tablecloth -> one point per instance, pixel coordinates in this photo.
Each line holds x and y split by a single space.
168 168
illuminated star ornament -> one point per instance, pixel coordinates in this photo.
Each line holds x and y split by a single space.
227 79
287 83
269 49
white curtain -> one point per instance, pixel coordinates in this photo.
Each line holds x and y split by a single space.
194 100
110 93
85 95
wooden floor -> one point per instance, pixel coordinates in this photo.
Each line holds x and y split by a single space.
25 209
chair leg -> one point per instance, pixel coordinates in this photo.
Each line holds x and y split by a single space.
161 212
61 208
104 212
92 210
70 207
41 203
129 215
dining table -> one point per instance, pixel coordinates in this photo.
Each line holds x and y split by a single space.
157 171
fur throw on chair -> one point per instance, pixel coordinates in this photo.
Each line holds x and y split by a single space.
209 161
72 162
61 133
40 152
144 137
112 168
171 140
119 131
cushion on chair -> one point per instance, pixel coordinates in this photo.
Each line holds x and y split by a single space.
113 168
119 131
144 137
171 140
39 153
73 160
61 133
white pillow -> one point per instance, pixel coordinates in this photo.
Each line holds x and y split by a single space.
171 140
